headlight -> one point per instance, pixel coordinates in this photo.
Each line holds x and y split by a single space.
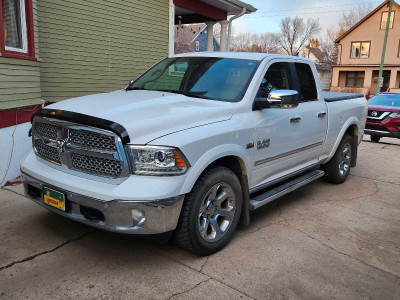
157 160
394 115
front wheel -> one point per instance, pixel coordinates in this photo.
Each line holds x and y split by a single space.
338 168
211 212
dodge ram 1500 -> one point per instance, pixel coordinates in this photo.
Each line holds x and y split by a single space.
192 146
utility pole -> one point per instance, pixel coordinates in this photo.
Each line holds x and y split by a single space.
380 78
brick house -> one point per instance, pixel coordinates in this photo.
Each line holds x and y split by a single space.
360 50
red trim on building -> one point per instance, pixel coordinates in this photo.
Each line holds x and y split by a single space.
16 116
29 31
202 8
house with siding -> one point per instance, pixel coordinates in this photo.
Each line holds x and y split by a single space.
360 52
51 50
192 38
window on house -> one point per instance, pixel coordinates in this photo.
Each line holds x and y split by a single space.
355 79
385 15
360 49
16 28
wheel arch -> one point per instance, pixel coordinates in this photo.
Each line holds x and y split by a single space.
238 161
351 128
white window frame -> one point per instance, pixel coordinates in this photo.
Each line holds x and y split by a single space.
24 33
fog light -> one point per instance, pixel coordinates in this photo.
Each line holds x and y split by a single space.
138 217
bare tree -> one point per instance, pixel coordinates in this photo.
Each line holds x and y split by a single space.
327 43
349 19
295 33
253 42
217 31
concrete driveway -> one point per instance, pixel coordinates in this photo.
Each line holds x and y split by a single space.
322 241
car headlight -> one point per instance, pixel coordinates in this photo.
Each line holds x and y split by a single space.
394 115
157 160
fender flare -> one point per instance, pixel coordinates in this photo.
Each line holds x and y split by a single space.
351 121
211 156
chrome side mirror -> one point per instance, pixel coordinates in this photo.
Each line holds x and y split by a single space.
283 99
278 99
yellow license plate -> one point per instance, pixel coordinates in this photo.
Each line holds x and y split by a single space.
54 198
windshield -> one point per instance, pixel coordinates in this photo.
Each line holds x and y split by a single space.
385 100
224 79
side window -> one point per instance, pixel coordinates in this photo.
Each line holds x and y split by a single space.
307 88
277 77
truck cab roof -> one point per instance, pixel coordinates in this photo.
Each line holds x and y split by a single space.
241 55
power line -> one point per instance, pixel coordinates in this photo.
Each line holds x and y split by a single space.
301 14
258 15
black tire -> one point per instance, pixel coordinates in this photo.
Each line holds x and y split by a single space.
375 138
188 232
335 170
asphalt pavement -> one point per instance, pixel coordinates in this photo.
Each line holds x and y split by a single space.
322 241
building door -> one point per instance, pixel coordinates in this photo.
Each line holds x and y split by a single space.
375 81
386 81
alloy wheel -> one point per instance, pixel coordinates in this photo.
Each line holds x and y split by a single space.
345 160
216 212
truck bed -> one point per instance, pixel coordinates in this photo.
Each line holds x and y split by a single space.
334 96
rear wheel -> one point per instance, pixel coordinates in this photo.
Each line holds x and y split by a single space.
211 212
338 168
375 138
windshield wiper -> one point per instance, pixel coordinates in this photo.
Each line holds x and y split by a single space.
197 95
136 88
189 94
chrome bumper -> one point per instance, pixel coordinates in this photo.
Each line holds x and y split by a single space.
130 217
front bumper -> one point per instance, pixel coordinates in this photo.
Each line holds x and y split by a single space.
124 216
393 134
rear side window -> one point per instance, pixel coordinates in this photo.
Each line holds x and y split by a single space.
307 86
277 77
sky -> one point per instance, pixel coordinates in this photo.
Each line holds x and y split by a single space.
270 12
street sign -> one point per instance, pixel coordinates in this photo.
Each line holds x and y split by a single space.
380 82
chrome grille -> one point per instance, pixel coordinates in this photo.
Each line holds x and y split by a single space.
47 152
96 165
80 150
92 140
46 130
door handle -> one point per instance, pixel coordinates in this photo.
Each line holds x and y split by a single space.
295 119
321 114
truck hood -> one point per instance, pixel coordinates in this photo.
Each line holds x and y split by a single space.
147 115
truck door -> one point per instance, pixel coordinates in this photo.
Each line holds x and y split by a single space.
288 140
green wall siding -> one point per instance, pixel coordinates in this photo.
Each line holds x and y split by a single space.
19 83
85 47
20 79
96 46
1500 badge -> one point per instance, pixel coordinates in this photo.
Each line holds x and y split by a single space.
263 144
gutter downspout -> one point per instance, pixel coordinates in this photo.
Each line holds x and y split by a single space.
230 27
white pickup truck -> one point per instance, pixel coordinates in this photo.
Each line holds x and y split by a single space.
192 146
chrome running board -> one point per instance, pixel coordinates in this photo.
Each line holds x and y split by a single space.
287 187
